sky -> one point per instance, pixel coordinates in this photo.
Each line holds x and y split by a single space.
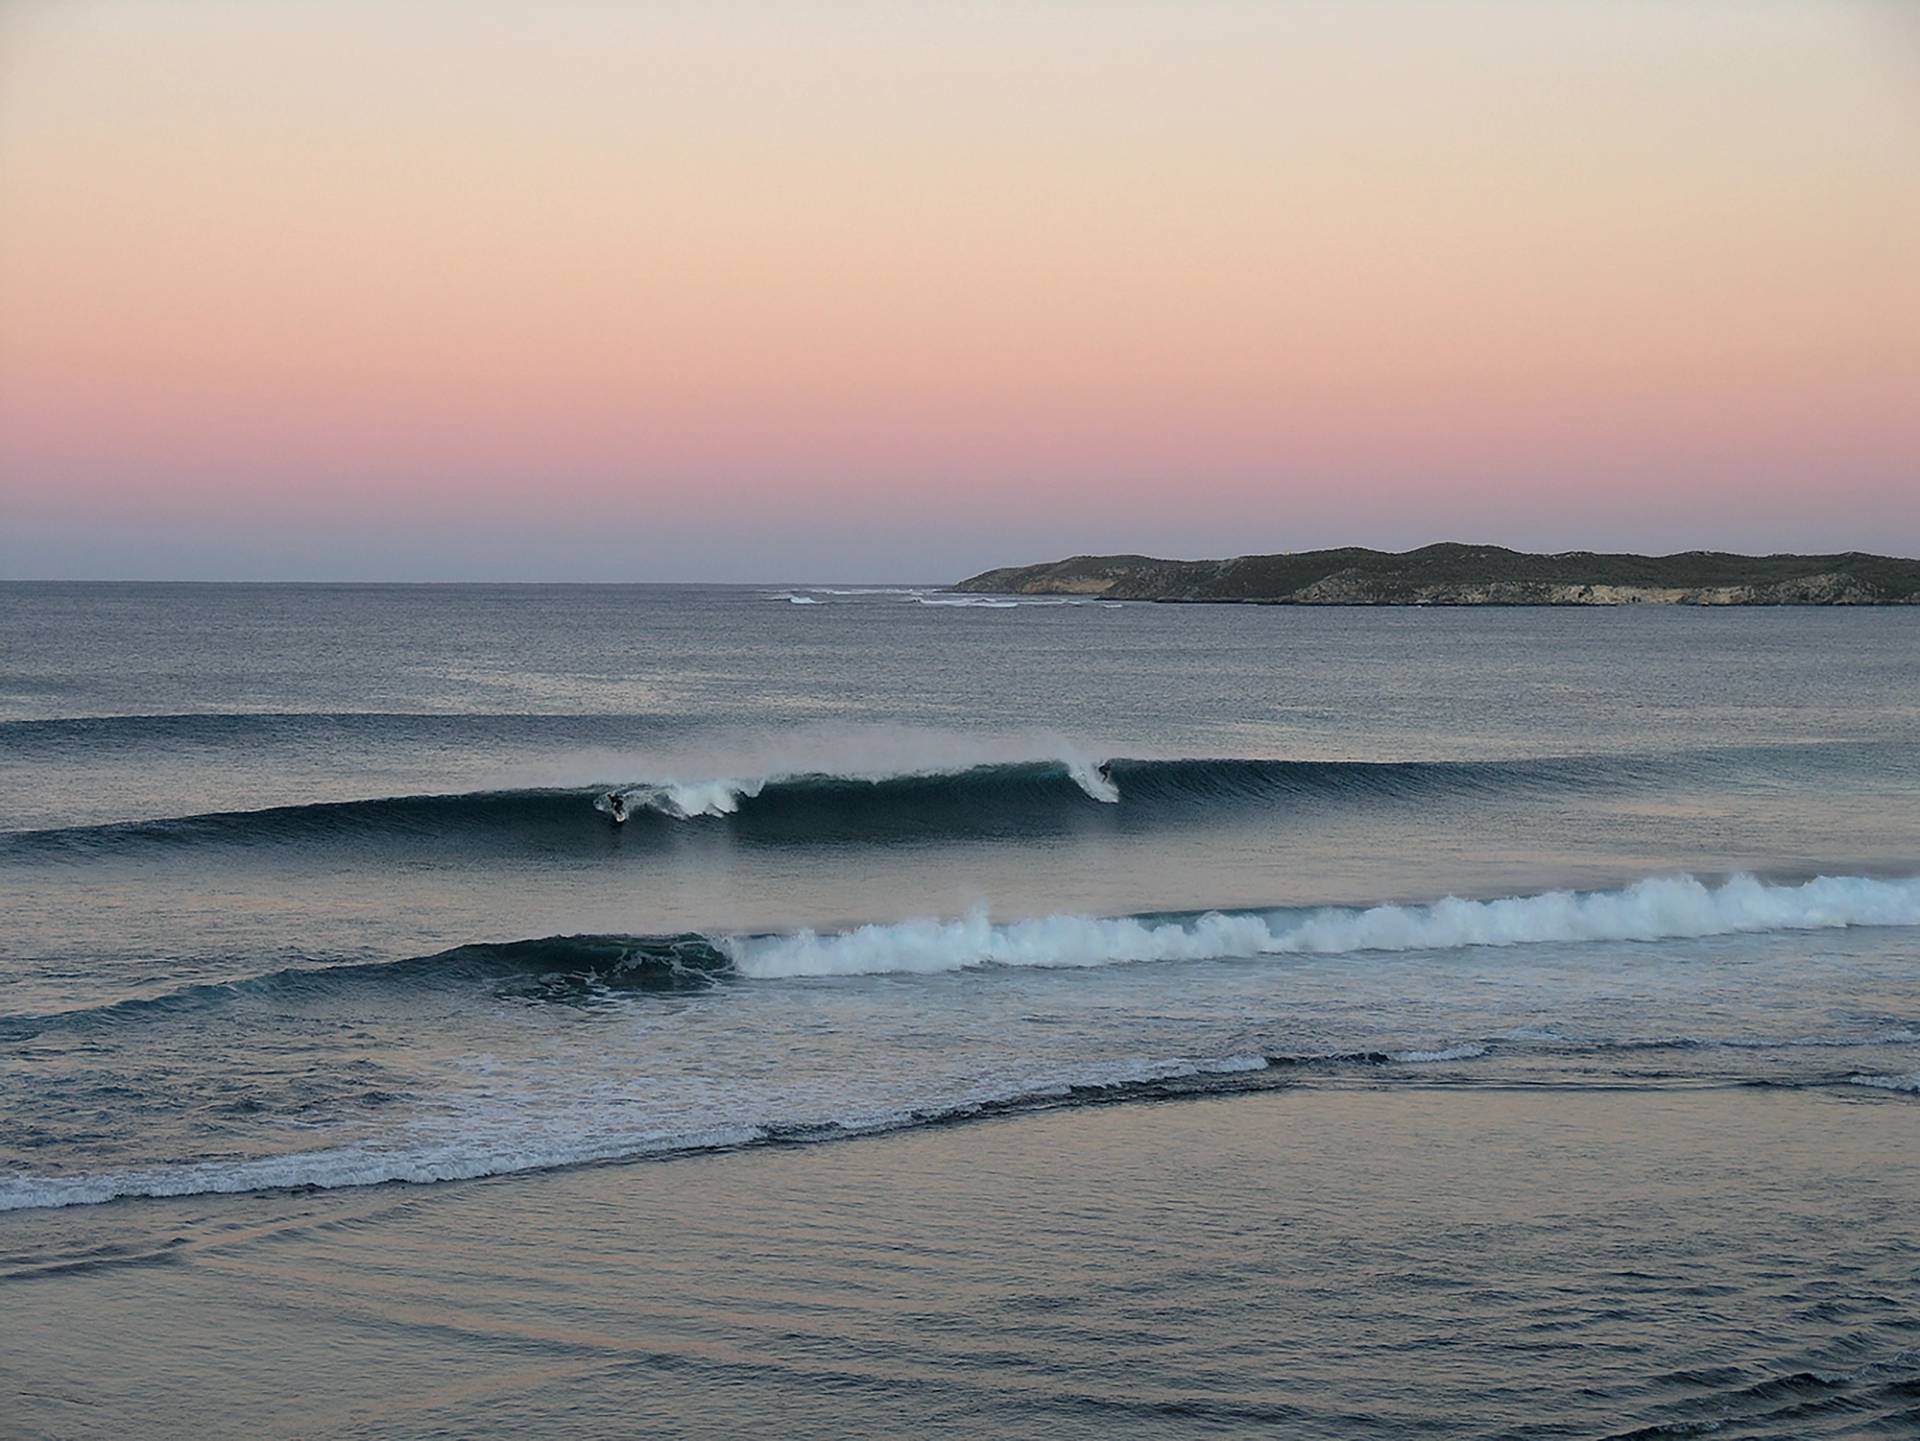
865 290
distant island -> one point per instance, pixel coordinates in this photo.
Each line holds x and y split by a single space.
1472 575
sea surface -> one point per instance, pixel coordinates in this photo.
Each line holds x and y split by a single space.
1037 1017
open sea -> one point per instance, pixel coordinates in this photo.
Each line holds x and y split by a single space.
1024 1018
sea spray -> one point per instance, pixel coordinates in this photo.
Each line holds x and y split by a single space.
1660 908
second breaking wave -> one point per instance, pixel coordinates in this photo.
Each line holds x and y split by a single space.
1654 909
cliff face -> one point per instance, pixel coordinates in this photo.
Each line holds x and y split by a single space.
1473 575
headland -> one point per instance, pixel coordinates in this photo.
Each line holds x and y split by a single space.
1453 574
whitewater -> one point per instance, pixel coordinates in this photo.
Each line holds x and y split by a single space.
588 1110
723 796
977 989
348 908
1658 908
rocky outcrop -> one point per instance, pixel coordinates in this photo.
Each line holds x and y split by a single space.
1473 575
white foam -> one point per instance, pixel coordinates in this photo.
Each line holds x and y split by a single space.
683 800
1091 778
870 757
932 946
1665 908
1134 1073
451 1160
1451 1053
540 1144
1909 1083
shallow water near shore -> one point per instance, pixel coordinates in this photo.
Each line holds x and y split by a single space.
1088 1018
1329 1262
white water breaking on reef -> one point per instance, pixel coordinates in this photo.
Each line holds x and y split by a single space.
1661 908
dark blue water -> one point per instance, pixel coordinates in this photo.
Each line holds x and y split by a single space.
317 887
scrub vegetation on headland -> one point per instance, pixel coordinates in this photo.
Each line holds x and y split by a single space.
1452 574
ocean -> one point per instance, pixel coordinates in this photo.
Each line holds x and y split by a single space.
994 1016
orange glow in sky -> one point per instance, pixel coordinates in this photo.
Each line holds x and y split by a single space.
872 290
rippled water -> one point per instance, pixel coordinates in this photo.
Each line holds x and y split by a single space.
318 887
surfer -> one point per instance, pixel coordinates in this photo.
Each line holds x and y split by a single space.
617 807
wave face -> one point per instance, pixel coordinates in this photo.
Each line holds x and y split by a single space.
798 807
552 967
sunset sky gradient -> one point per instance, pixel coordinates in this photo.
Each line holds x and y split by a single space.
817 290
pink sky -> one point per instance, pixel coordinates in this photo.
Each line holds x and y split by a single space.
869 290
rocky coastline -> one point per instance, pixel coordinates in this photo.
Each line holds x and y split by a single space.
1452 575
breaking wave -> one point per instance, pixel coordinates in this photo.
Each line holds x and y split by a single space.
846 804
686 800
574 969
1661 908
1470 1052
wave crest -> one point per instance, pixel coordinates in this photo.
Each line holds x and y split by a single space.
959 797
1661 908
689 800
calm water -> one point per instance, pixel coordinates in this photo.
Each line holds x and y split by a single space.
1475 938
